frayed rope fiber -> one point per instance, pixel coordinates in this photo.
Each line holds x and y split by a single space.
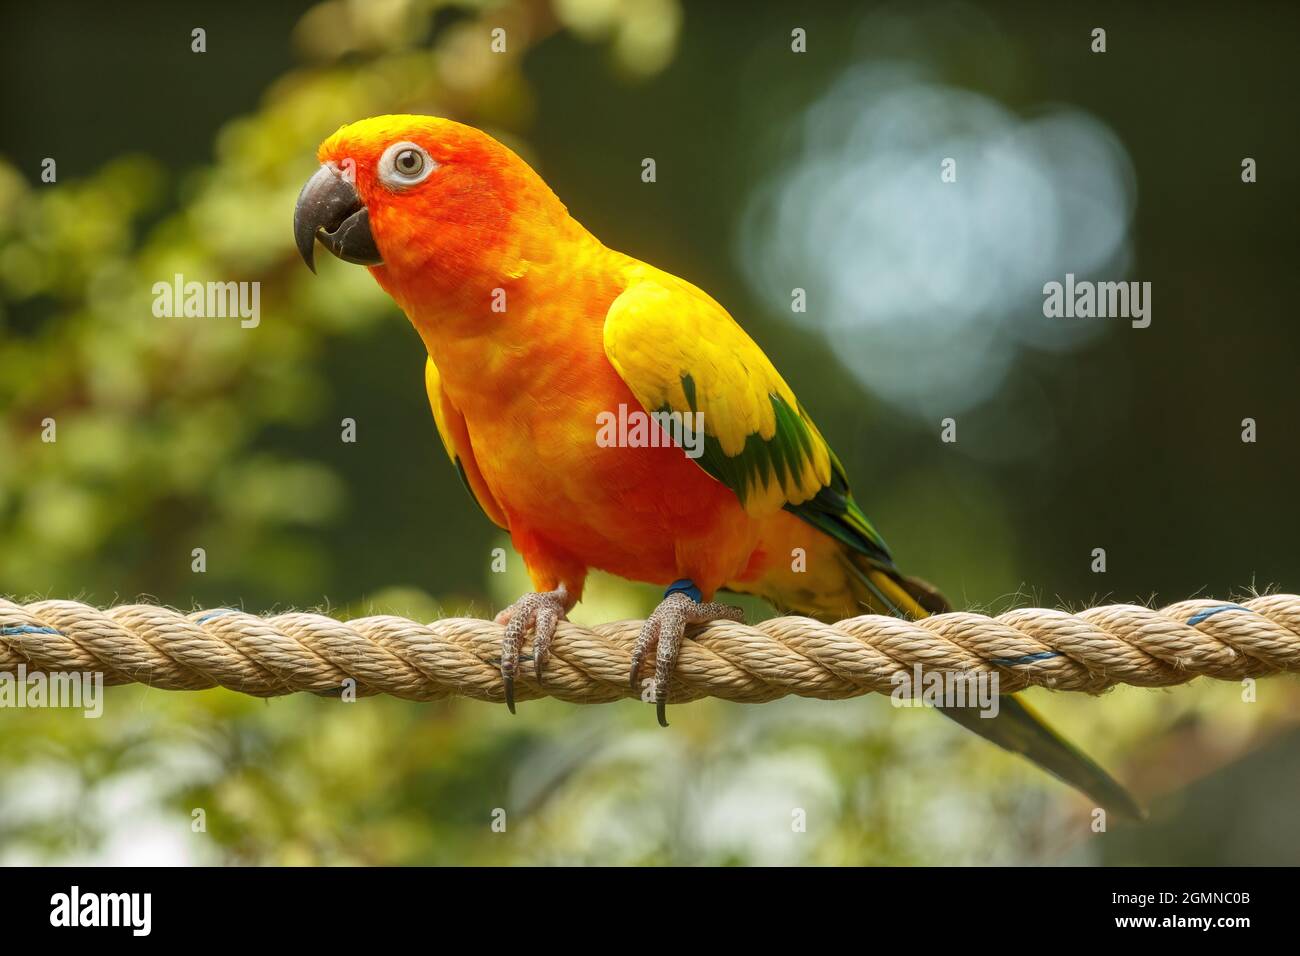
287 653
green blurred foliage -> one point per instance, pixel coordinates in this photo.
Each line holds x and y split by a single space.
181 433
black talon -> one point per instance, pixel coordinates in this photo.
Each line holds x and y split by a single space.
661 711
510 692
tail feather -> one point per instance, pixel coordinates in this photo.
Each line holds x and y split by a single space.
1016 727
1019 729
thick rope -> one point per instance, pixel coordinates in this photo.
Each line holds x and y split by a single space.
269 656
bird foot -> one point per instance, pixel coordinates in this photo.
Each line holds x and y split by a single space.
542 611
662 634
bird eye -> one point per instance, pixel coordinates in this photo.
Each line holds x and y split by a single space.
409 162
405 164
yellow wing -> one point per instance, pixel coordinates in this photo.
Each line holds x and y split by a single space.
455 439
680 351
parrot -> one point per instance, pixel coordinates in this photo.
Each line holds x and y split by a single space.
534 330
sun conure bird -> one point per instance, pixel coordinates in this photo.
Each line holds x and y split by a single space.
536 332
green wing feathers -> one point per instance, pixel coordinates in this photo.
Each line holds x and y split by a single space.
679 351
764 465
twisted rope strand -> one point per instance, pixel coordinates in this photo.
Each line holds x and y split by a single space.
286 653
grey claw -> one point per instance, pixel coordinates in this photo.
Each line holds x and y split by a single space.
663 631
539 612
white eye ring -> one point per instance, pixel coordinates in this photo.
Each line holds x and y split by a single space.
405 164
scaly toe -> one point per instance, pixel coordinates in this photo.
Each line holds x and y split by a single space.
540 611
645 644
669 626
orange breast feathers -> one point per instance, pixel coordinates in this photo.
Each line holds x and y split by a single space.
546 413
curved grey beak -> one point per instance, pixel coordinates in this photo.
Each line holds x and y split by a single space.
330 210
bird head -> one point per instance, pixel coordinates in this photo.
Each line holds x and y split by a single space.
418 198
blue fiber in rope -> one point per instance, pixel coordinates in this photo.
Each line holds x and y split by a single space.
1200 616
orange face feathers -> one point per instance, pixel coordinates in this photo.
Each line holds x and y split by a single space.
444 199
